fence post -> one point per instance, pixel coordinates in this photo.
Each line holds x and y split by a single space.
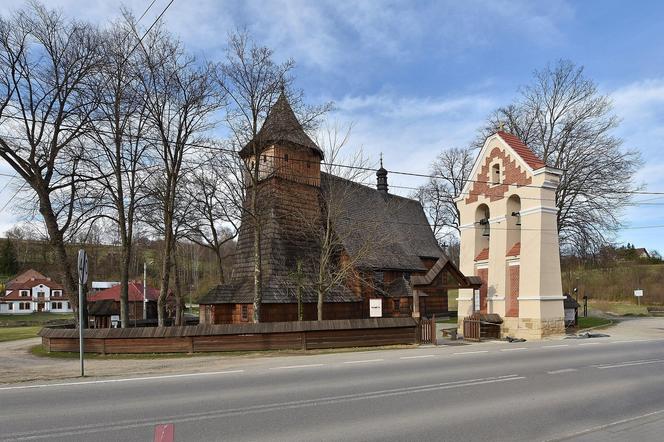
433 330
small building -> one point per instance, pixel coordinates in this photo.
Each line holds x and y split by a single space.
104 306
98 286
382 242
32 292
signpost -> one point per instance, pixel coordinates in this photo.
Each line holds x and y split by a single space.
82 279
375 308
638 293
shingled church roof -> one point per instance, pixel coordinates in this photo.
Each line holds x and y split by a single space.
397 227
282 125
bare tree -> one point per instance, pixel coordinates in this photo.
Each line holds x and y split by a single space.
117 132
180 98
450 172
562 116
216 194
46 66
252 82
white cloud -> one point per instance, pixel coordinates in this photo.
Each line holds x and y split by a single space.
411 131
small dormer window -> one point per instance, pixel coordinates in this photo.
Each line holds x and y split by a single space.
495 174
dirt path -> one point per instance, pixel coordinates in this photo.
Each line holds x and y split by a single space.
17 364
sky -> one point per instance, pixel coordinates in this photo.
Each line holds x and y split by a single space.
416 77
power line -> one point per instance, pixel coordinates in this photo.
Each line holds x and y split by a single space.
346 166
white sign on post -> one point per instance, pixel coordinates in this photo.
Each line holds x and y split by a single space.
638 293
82 267
375 308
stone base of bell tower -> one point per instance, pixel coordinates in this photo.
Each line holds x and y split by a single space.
532 328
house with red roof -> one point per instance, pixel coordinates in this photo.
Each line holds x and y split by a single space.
104 305
32 292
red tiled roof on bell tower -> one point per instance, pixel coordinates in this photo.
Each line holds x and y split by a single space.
522 150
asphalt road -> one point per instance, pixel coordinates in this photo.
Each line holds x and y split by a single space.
595 389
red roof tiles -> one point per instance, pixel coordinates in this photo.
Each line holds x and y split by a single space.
522 150
483 255
135 293
515 250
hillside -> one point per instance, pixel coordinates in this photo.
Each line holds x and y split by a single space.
618 281
199 271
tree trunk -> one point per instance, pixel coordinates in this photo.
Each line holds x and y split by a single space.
258 283
220 266
124 287
179 320
165 274
70 282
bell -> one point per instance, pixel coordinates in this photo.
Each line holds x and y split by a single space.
518 217
486 231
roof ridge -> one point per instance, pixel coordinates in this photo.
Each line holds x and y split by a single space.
522 150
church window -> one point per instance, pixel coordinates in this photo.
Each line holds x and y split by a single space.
286 157
10 306
495 174
397 305
265 158
245 313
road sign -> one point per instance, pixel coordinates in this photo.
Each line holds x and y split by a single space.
375 308
82 267
638 293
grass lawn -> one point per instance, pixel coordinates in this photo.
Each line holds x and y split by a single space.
15 333
34 319
618 308
592 321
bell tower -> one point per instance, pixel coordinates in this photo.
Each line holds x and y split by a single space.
289 199
509 239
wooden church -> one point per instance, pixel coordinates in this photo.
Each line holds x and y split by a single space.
323 233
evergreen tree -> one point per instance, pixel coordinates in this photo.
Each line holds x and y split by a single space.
8 260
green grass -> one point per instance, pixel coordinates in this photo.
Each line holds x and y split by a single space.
592 321
618 308
16 333
34 319
452 303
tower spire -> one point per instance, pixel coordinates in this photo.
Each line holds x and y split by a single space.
381 177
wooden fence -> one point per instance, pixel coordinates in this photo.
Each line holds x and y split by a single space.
476 330
428 331
237 337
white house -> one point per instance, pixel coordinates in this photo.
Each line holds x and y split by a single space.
33 292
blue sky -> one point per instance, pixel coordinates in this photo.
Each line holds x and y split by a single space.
415 77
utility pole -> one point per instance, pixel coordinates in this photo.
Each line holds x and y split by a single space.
145 278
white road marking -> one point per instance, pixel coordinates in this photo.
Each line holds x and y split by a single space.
556 346
109 381
605 426
364 361
590 343
471 352
563 370
514 349
417 357
629 363
252 409
287 367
